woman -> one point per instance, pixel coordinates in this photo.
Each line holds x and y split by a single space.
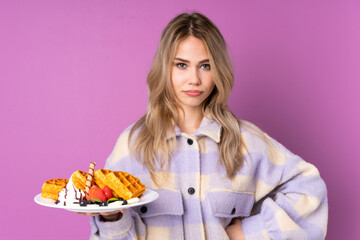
217 177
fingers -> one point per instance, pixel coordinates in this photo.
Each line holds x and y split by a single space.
234 230
87 214
106 214
92 214
111 216
112 213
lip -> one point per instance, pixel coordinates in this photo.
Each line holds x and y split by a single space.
193 93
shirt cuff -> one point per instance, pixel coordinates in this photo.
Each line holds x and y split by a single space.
254 228
114 229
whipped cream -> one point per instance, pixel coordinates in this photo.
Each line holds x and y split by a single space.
70 194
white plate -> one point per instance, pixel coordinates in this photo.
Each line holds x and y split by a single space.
147 197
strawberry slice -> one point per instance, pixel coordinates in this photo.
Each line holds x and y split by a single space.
107 192
96 192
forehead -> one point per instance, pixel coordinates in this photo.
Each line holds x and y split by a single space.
192 48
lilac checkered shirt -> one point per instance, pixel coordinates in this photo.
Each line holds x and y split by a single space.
275 193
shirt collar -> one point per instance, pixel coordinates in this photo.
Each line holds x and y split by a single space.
208 128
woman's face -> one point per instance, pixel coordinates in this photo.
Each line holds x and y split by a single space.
191 74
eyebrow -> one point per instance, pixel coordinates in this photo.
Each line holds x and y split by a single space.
187 61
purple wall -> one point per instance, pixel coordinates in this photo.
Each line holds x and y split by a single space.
72 77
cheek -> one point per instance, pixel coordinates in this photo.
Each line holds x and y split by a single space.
176 80
208 81
175 84
173 79
212 87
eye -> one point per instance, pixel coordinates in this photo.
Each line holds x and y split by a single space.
181 65
205 66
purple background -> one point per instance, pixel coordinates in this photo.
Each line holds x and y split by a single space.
72 77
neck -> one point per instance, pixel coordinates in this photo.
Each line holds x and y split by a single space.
190 120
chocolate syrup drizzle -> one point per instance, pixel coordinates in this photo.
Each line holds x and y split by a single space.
81 197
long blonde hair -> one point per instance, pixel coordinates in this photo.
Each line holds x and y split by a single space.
151 145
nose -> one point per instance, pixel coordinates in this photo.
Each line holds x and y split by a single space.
194 78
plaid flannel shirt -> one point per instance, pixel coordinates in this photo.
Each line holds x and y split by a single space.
275 193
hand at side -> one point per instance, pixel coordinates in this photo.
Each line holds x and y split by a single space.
234 230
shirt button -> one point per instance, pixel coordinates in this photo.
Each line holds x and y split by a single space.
233 211
143 209
191 191
190 141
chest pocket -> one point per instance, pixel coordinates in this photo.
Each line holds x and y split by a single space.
169 203
226 203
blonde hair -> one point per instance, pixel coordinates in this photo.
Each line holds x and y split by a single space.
151 145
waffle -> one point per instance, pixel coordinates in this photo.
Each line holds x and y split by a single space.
100 178
79 179
124 184
52 187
